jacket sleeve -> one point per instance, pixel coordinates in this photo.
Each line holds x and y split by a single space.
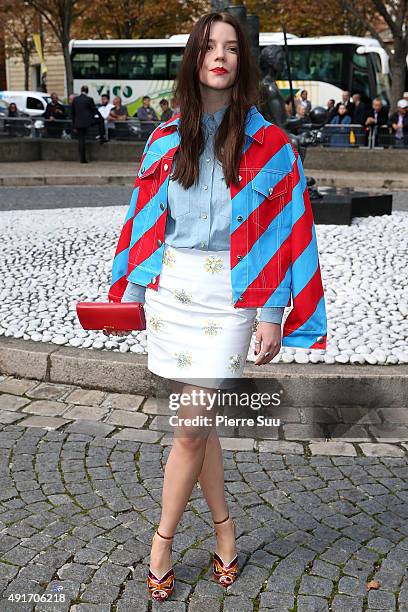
306 324
120 260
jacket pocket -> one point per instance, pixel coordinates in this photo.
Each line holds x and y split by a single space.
150 164
269 191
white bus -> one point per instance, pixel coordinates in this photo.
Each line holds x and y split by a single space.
324 66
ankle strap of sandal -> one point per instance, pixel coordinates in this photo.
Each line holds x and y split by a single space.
164 537
223 520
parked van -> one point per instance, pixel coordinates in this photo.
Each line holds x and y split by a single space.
33 103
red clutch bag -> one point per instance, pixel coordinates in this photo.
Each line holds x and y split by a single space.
111 316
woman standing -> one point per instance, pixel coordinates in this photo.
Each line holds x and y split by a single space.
211 245
340 137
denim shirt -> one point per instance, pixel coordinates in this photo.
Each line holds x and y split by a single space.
199 217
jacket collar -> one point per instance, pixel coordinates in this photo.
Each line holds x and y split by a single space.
254 124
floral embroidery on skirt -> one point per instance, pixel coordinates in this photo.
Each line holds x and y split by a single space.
194 332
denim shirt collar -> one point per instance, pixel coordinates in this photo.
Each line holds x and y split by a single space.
208 118
255 123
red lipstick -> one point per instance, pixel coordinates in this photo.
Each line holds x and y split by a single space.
219 70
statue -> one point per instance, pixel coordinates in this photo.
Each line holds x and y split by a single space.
272 106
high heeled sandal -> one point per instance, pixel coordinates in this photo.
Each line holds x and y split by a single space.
160 589
224 573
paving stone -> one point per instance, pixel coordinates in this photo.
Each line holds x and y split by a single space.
309 603
333 447
123 401
327 570
46 408
281 446
6 418
44 422
203 604
139 435
302 431
276 601
127 419
344 603
90 428
381 600
351 586
86 397
381 450
11 403
17 386
316 585
237 604
237 444
87 413
50 391
156 406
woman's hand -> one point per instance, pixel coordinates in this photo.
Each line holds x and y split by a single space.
267 340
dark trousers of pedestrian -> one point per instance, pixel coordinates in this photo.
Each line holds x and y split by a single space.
82 144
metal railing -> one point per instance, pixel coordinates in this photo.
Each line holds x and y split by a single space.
38 127
330 135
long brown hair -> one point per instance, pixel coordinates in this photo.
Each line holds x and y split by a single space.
230 137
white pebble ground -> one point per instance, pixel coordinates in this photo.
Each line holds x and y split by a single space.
52 259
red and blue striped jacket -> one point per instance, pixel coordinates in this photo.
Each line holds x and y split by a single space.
274 257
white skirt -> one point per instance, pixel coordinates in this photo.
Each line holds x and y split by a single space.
194 333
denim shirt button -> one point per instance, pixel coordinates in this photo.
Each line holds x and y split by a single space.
162 206
239 218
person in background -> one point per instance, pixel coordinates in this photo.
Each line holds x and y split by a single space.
398 121
330 107
118 112
340 137
84 114
376 117
304 103
145 112
13 111
346 100
53 113
104 109
167 113
13 127
288 106
54 110
360 112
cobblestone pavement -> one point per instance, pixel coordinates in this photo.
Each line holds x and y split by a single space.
81 477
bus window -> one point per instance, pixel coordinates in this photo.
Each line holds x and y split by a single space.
175 57
315 63
382 81
85 64
107 64
360 80
142 64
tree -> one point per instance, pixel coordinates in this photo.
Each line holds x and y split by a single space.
17 24
61 15
394 15
300 17
140 18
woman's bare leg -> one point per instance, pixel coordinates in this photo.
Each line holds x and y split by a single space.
212 484
182 469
